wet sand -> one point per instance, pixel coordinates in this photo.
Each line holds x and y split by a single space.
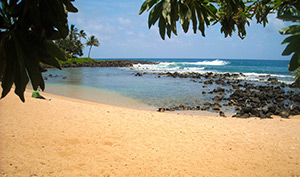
71 137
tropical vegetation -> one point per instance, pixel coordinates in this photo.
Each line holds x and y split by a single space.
92 41
80 60
72 44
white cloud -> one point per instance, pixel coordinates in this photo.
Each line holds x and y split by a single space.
123 21
100 27
275 24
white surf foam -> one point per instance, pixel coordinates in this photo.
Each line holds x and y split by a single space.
208 63
178 66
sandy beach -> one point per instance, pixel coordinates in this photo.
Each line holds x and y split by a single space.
70 137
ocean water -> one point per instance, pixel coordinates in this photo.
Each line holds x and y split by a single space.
251 68
155 91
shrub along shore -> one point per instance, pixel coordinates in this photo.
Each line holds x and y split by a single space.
89 62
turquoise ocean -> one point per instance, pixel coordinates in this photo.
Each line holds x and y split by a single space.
120 86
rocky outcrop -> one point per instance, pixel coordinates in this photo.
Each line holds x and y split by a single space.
264 101
107 63
261 99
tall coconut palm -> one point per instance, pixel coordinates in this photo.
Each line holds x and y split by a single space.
92 41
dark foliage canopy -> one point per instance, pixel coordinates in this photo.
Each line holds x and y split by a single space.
27 31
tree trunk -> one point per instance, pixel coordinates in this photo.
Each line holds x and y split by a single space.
90 51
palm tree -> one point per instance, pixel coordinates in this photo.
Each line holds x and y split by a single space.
82 34
73 32
92 41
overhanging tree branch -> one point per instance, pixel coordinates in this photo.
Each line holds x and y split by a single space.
27 29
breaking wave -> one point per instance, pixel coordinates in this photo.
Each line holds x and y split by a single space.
179 66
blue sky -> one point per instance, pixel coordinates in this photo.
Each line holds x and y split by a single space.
123 33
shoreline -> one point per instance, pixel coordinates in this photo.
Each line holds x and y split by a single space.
71 137
95 95
221 93
213 92
120 101
115 99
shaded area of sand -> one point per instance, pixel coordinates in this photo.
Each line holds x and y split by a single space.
69 137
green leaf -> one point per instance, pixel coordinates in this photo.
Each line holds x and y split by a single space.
34 71
1 22
15 71
162 27
147 5
42 69
55 51
8 79
13 2
234 5
9 73
277 4
211 9
2 65
185 26
4 4
174 12
201 21
55 16
194 18
169 31
30 59
21 81
185 16
293 46
184 12
51 61
288 16
2 55
294 62
69 6
21 51
54 35
293 29
166 10
144 7
155 13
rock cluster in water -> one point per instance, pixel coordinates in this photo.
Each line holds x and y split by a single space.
248 98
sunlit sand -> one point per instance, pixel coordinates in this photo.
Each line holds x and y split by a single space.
70 137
